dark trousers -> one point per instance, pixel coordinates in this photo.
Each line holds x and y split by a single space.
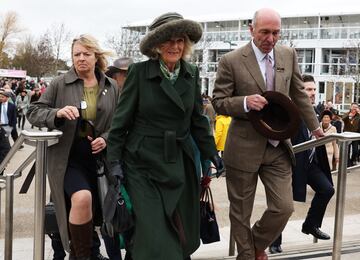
21 121
352 157
4 144
323 193
14 134
277 241
112 246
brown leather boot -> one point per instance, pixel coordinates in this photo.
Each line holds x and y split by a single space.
81 239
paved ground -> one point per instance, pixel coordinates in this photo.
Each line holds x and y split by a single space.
292 237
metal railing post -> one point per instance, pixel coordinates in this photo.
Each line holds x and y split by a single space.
9 210
231 243
340 200
2 186
40 195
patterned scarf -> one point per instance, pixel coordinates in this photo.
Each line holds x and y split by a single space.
172 76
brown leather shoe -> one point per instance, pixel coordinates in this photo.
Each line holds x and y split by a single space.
260 255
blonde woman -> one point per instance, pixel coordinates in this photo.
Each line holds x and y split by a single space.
72 171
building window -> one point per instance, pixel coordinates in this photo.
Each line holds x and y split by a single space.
321 87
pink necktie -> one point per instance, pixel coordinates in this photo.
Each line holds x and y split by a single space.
269 73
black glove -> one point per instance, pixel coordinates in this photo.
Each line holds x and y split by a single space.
219 165
116 171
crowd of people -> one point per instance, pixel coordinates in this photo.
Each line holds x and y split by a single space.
150 123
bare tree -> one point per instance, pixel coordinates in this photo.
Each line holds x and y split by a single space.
113 41
37 56
9 27
125 43
59 37
25 56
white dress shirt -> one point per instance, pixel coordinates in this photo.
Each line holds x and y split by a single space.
4 118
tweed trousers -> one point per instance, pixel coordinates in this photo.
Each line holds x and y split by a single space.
275 174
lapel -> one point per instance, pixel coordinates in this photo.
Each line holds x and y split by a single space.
182 84
8 112
280 84
253 66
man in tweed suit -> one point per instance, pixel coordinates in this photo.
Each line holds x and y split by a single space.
242 76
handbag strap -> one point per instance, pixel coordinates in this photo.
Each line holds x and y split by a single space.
206 196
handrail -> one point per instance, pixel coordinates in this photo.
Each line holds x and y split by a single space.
40 139
344 139
345 136
28 135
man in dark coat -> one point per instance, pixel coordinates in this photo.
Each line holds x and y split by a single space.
9 118
311 168
4 145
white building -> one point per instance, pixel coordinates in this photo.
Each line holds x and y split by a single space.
328 47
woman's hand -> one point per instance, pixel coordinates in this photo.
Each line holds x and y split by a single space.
68 112
97 145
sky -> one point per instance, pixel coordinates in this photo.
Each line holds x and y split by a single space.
105 17
100 18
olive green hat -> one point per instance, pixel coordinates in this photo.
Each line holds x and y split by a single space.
166 26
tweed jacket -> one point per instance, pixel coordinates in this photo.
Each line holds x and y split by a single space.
238 76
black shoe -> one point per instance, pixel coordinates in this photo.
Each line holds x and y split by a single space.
275 249
21 147
316 232
99 257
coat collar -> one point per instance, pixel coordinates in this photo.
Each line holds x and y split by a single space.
153 69
182 84
71 77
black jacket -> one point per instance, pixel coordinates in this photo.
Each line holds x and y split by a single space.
11 113
301 170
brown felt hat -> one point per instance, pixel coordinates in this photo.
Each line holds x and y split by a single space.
166 26
5 93
119 65
279 119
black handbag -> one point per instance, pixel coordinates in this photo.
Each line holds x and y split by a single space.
117 210
209 230
51 225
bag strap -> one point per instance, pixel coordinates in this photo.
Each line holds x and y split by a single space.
29 178
210 198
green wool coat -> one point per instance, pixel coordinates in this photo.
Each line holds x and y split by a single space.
151 133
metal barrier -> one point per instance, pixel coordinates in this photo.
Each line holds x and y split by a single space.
2 187
343 139
41 141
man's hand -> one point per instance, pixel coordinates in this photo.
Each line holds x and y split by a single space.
318 133
219 164
255 102
68 112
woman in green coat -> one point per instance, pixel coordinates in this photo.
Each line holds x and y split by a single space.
158 113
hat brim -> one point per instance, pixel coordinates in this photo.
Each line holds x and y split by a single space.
168 30
279 119
111 71
5 93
